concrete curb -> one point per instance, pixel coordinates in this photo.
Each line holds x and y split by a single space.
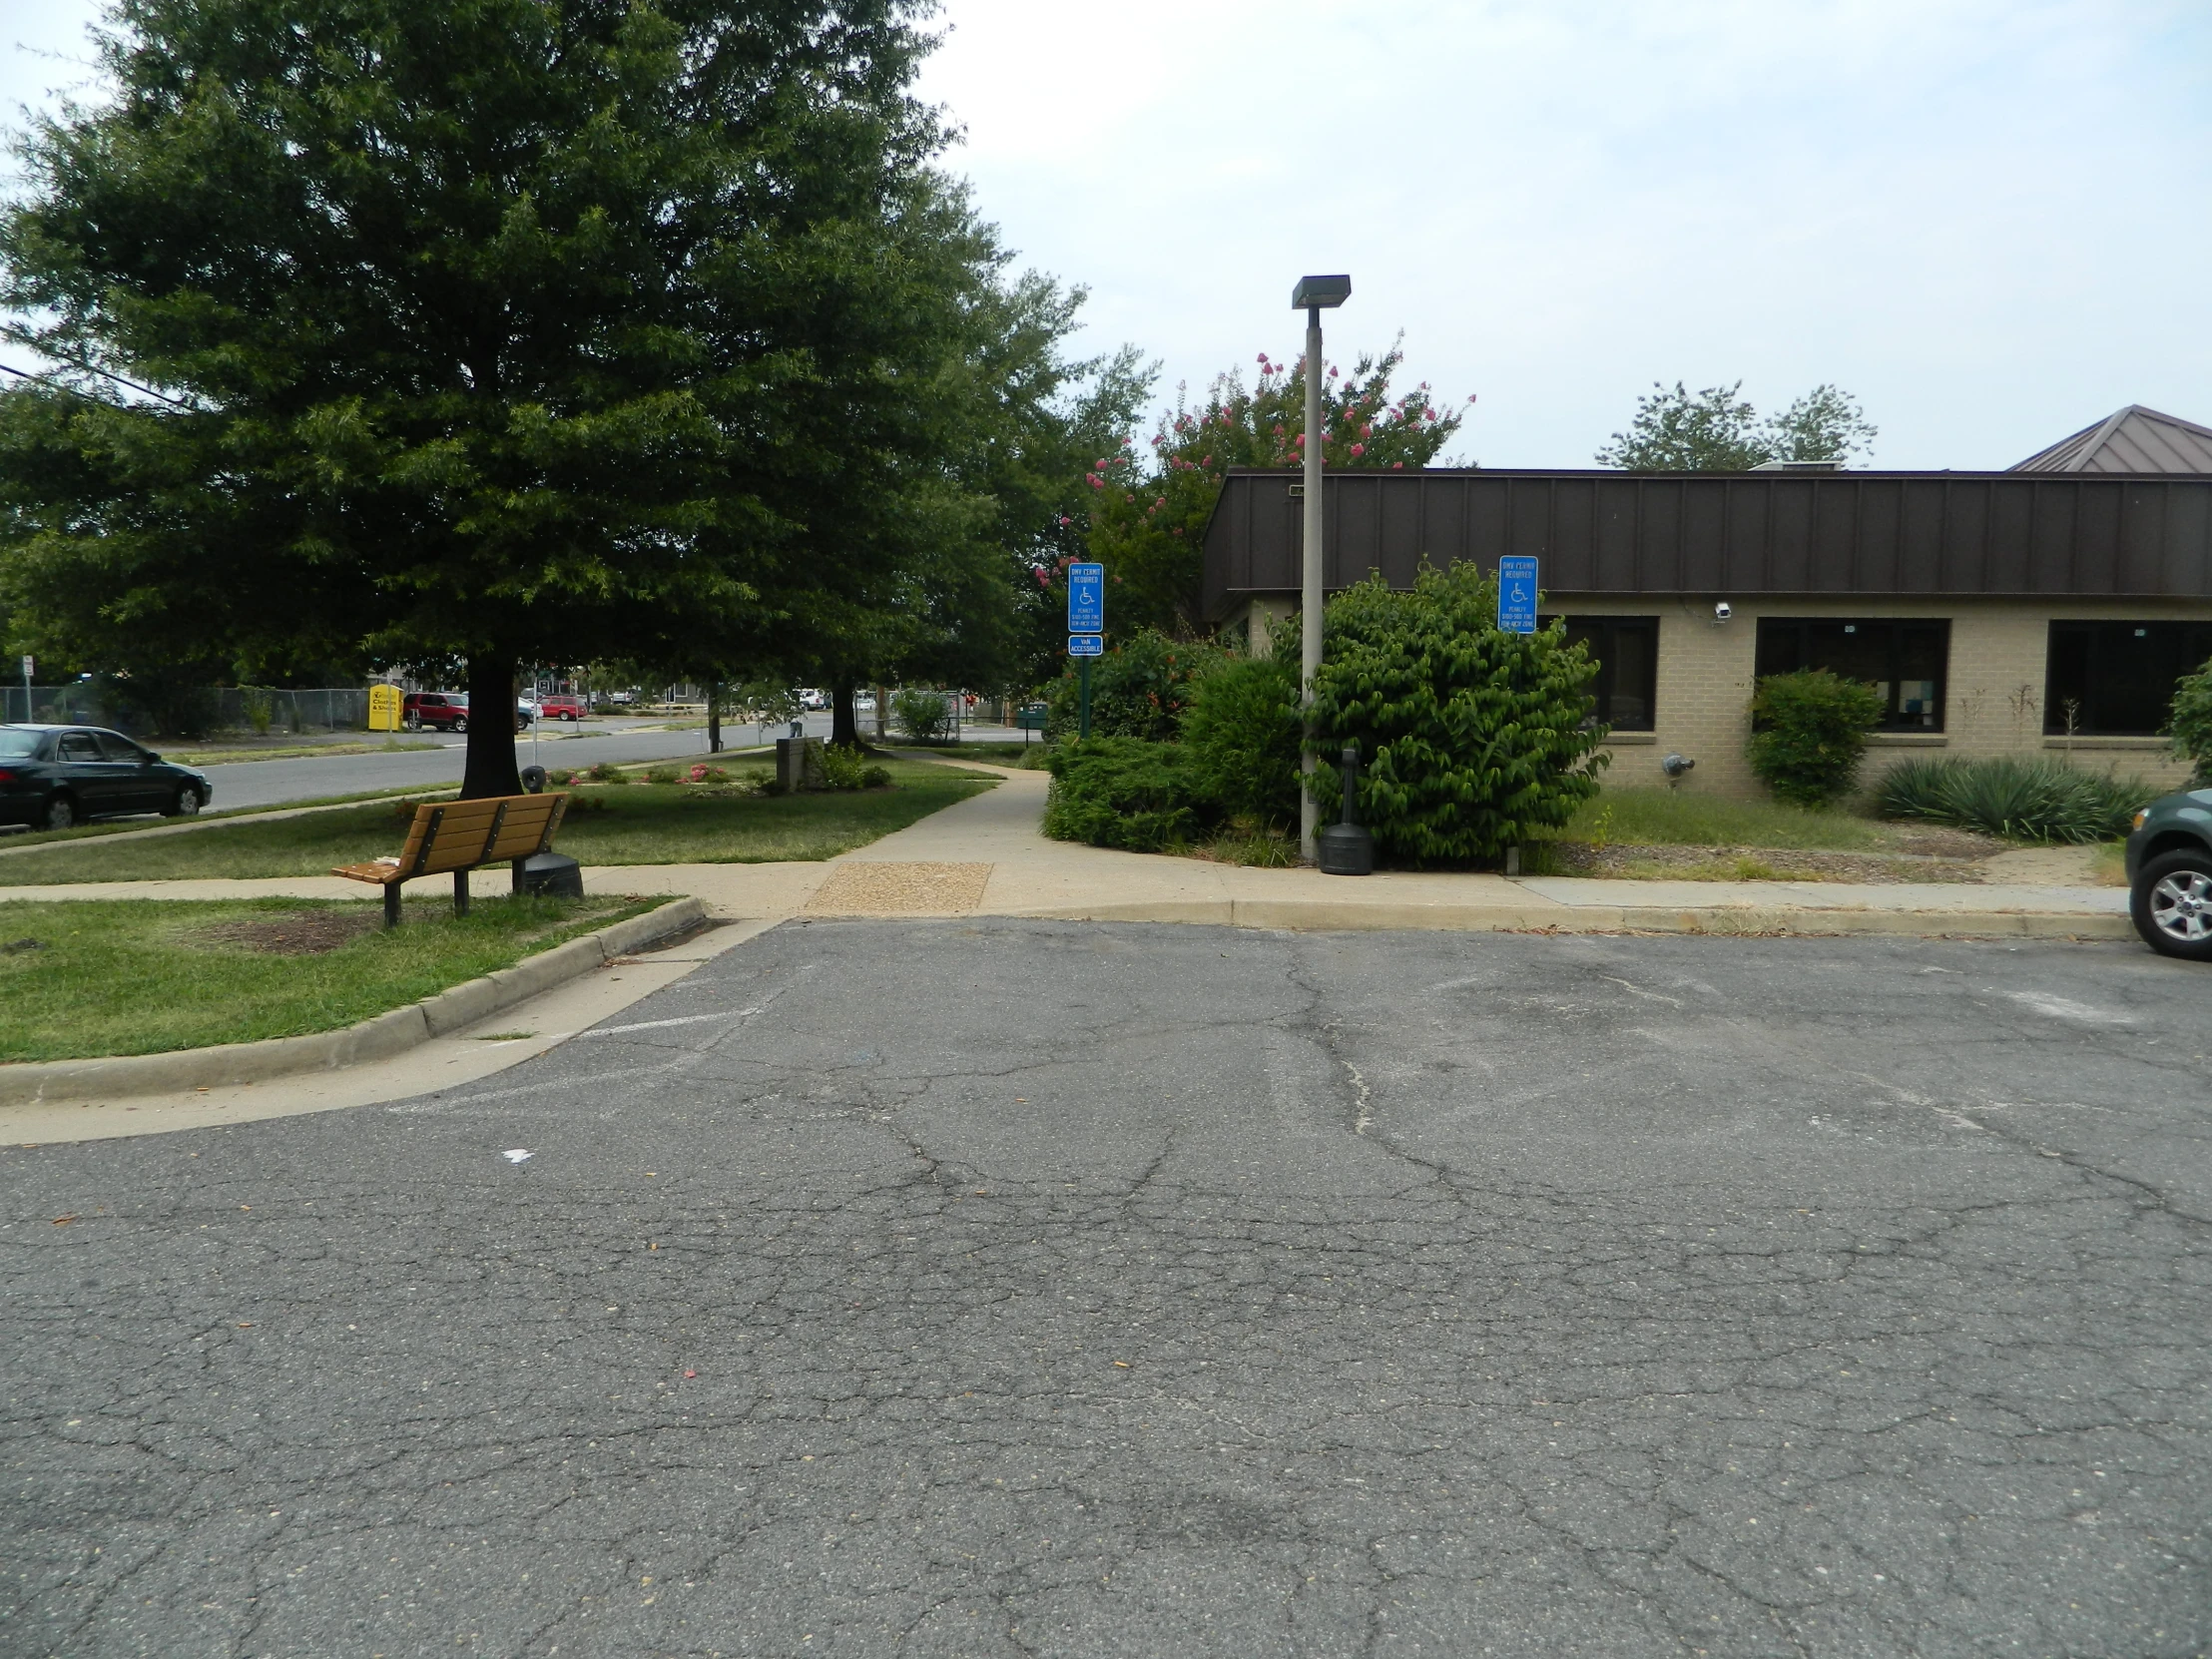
372 1039
1310 915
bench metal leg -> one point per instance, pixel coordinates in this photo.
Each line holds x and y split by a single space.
515 866
391 903
460 892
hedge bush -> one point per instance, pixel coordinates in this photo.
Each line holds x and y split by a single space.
2038 800
2191 726
1242 732
1126 793
922 714
1475 740
1810 735
1139 688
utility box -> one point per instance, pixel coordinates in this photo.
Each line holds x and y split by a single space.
798 765
384 704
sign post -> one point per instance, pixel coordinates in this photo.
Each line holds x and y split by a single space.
1516 595
26 687
1086 632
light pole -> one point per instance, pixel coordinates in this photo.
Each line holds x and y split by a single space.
1313 295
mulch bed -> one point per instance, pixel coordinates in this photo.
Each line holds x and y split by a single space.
1936 855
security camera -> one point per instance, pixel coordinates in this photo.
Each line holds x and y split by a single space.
1723 610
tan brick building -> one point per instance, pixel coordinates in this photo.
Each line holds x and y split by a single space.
2045 609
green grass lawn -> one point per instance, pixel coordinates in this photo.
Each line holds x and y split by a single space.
1670 818
621 823
143 976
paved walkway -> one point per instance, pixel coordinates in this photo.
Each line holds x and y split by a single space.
986 856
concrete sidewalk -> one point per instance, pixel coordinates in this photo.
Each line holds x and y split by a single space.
988 857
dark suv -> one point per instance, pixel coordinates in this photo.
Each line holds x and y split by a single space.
52 776
2169 874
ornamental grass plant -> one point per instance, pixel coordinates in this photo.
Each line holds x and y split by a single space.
2037 799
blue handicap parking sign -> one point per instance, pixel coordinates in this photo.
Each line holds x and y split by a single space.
1516 595
1086 645
1087 599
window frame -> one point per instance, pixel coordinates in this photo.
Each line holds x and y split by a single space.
2101 635
1604 685
1893 719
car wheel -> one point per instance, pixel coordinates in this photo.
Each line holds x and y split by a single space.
572 718
413 722
2172 905
186 805
61 813
461 725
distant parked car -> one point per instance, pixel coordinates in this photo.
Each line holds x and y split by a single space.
562 708
2169 874
812 699
52 776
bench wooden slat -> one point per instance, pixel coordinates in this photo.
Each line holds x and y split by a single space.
464 835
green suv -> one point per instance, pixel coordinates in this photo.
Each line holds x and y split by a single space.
2169 874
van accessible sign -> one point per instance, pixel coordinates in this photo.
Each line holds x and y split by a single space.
1516 595
1086 598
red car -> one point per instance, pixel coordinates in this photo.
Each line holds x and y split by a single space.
443 712
562 708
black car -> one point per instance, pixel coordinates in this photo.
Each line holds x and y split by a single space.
52 776
2169 874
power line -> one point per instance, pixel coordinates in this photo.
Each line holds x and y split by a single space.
57 385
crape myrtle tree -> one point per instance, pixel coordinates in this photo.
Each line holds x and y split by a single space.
1718 430
497 329
1147 517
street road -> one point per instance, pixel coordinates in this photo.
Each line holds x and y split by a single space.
1001 1288
275 783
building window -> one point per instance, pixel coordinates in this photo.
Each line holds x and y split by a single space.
1905 661
2116 679
1626 651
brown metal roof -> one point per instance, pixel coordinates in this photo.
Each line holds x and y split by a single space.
1844 533
2133 440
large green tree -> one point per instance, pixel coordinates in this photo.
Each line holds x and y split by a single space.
500 330
1146 519
1718 430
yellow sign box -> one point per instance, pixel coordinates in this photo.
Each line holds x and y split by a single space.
384 708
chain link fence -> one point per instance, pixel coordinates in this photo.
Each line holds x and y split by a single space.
255 710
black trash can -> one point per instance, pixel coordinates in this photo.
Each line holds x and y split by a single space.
553 873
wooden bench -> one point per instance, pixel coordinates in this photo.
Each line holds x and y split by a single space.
459 836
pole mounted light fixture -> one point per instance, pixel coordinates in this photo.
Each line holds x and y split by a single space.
1313 295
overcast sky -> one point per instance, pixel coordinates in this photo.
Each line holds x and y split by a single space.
1987 218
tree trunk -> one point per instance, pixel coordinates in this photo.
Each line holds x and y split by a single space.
713 717
882 712
843 727
491 729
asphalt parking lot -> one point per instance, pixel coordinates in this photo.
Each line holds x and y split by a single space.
1007 1288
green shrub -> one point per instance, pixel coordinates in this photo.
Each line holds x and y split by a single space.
876 778
1126 793
921 714
1477 740
1241 730
844 765
663 775
2191 726
1810 732
603 773
1139 688
2038 799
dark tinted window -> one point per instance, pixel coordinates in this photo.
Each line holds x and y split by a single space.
79 746
1905 662
116 747
2116 679
1626 651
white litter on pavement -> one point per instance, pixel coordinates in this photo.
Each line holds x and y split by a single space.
515 1155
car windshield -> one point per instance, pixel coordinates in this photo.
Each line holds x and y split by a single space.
15 746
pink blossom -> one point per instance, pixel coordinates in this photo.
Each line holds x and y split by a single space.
1044 581
1300 440
1397 466
1428 414
1094 481
1358 449
1367 431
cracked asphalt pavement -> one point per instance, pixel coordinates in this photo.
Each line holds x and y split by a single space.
1025 1288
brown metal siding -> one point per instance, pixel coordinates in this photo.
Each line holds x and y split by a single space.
2083 535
